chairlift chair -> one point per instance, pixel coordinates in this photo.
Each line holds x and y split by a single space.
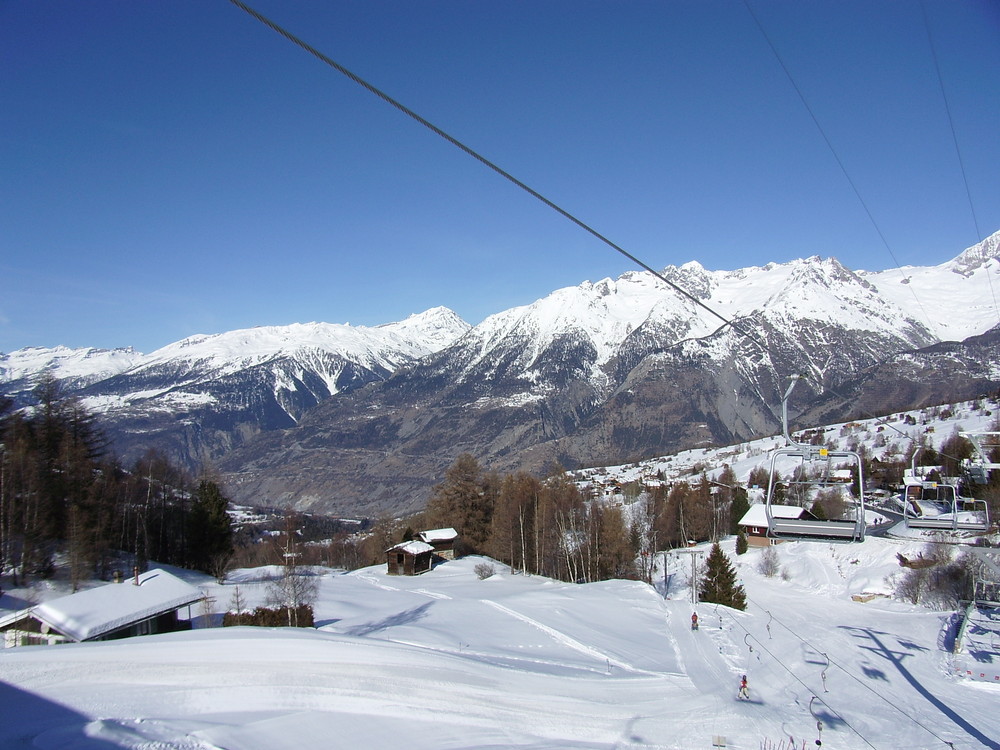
812 529
938 505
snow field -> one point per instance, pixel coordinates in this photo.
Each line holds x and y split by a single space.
446 660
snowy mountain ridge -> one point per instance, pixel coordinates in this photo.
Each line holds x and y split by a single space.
76 366
383 347
605 370
605 313
955 299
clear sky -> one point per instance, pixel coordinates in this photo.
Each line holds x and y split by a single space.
173 167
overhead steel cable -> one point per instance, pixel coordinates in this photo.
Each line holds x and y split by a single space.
799 680
500 171
833 150
839 666
954 139
739 329
951 121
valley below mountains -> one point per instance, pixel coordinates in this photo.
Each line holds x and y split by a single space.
356 421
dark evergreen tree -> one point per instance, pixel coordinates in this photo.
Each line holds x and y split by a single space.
209 532
738 509
719 584
741 543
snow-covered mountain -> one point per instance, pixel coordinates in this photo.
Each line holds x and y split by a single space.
956 299
599 373
622 369
74 368
199 397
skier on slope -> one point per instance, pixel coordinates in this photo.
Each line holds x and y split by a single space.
744 693
694 621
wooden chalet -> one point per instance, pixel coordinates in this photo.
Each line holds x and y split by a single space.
754 522
409 558
146 604
442 540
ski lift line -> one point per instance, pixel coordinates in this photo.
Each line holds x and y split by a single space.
831 662
500 171
795 677
954 139
951 125
738 328
833 151
883 421
917 493
784 527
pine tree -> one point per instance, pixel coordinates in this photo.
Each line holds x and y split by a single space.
464 501
741 543
210 533
719 584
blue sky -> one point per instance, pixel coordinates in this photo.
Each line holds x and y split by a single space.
174 167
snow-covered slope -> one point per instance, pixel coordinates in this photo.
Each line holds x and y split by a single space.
75 368
886 438
956 299
446 661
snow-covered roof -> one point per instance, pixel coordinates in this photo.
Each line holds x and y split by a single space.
413 547
438 535
757 515
92 613
10 618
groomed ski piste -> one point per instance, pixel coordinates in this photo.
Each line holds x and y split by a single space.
447 660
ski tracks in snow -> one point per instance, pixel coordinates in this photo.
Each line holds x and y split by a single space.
566 640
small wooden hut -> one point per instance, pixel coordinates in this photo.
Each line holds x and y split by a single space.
442 540
409 558
146 605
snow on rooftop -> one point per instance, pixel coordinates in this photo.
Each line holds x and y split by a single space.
89 614
438 535
413 547
757 515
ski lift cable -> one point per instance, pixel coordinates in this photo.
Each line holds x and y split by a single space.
737 327
500 171
954 138
883 421
798 679
833 151
832 662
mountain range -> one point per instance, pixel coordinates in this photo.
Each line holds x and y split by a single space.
364 420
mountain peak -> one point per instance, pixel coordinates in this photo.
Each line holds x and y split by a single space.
976 256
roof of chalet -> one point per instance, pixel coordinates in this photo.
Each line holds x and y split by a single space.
757 515
413 547
14 616
92 613
438 535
